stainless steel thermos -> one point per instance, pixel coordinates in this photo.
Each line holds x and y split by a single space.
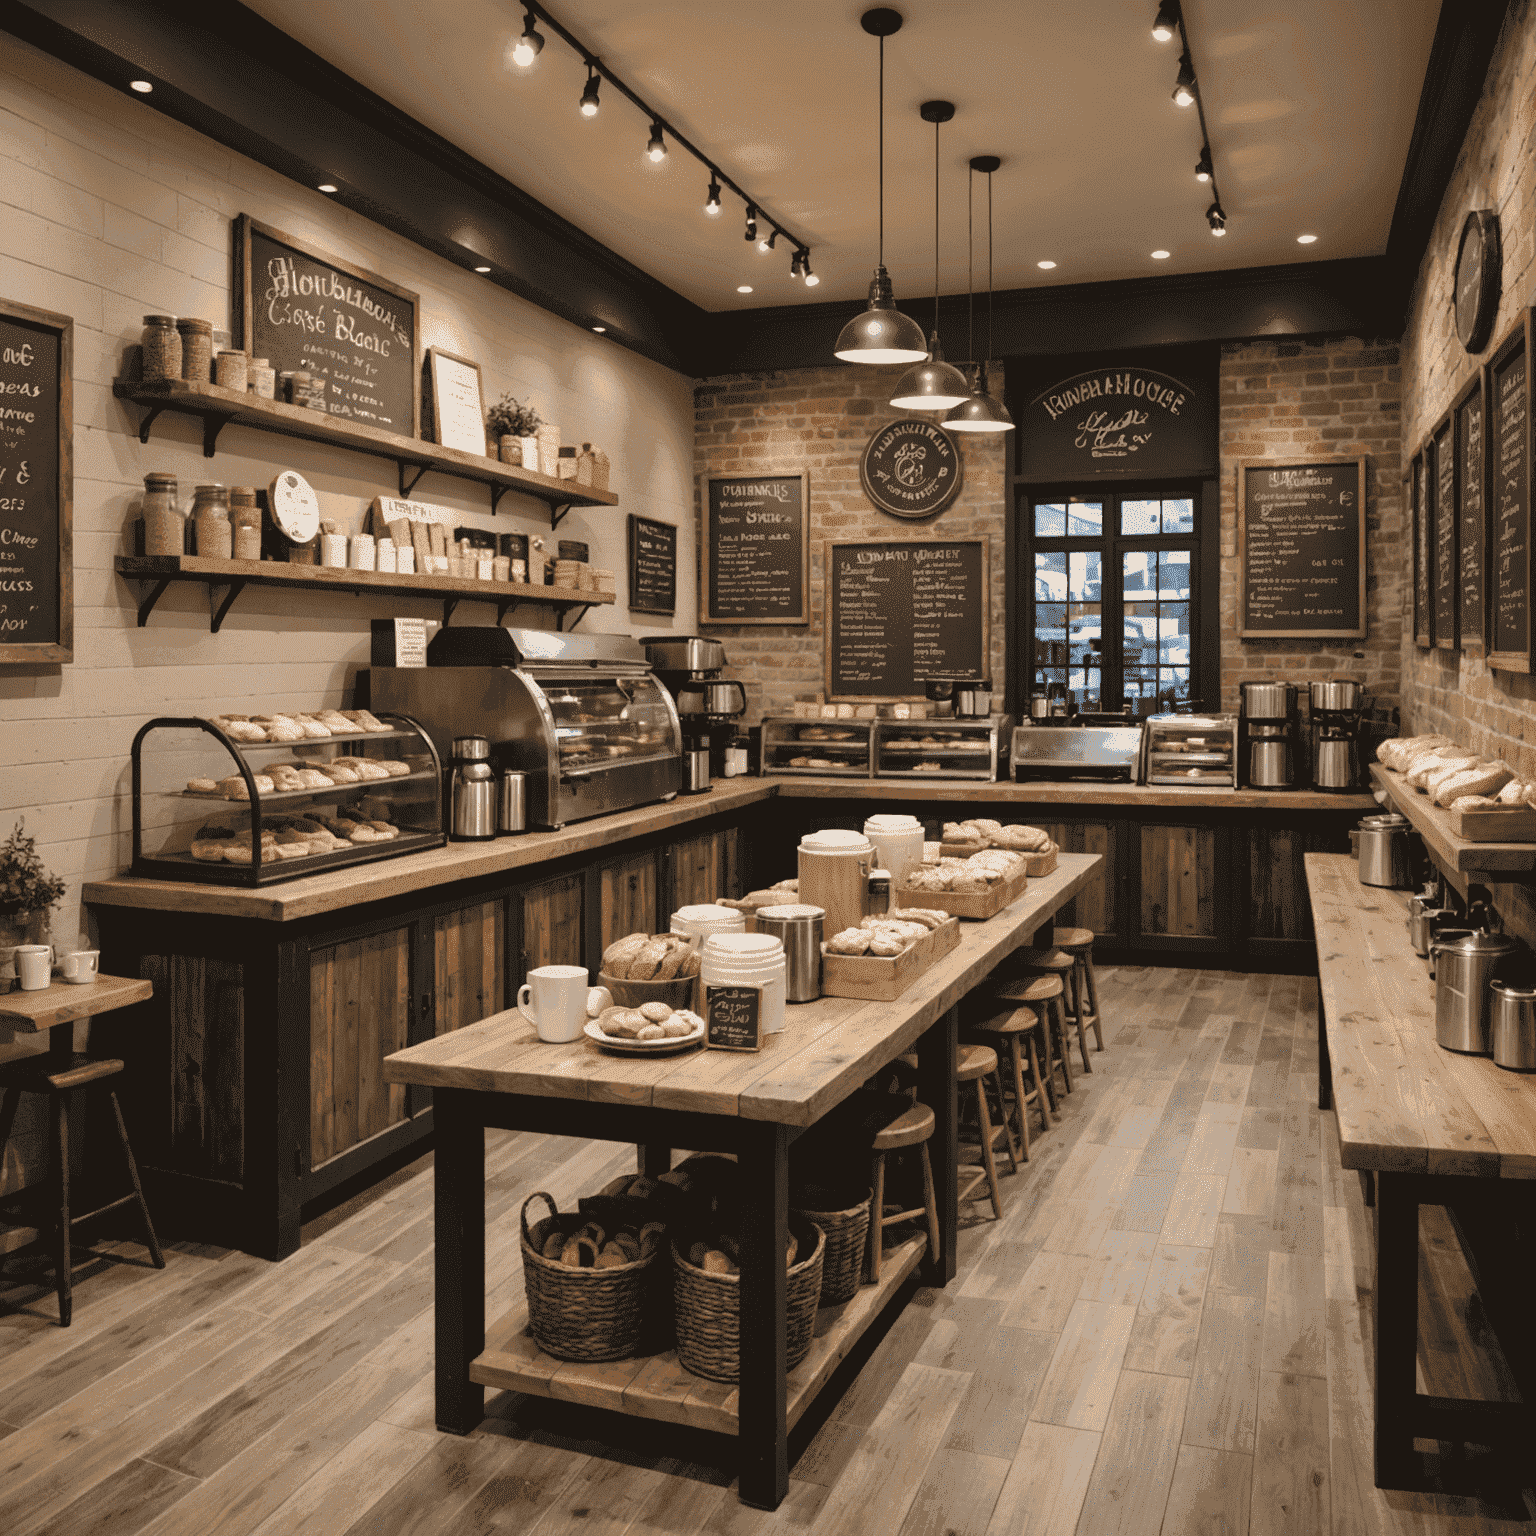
471 791
512 803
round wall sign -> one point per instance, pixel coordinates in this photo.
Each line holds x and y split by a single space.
911 469
1477 278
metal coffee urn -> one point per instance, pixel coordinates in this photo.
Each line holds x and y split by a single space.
1336 712
1269 738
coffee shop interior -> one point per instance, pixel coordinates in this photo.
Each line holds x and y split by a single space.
767 767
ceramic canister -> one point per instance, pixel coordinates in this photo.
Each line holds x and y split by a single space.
747 960
834 875
899 842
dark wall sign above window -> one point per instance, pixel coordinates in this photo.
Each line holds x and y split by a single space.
1477 278
911 469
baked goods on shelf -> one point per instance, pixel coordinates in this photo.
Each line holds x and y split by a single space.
1450 774
887 935
993 834
963 876
650 957
317 725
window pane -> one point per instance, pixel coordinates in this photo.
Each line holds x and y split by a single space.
1085 519
1173 574
1138 571
1179 516
1050 520
1173 634
1174 680
1050 576
1085 576
1138 517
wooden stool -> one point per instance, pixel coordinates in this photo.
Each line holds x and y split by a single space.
1044 992
60 1083
975 1064
1078 942
1014 1030
908 1125
1057 962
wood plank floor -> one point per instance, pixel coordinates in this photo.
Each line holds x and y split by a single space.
1169 1331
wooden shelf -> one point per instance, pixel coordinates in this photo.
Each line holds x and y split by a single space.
657 1386
1455 854
62 1002
217 408
159 571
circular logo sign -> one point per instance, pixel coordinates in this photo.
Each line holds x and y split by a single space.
1477 279
911 469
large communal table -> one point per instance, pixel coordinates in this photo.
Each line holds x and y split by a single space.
497 1073
1430 1127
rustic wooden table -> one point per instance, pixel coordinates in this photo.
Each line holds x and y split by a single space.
497 1073
62 1002
1432 1127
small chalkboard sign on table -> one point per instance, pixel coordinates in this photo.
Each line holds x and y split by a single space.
733 1018
652 565
37 615
1509 450
756 562
1470 416
1301 549
1442 474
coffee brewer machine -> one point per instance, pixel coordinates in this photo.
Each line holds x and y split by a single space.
1337 708
1269 741
708 705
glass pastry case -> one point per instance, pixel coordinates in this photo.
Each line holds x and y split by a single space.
1190 749
940 749
831 748
250 800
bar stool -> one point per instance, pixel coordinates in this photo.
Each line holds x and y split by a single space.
60 1084
1019 1033
1078 942
975 1064
1043 992
1057 962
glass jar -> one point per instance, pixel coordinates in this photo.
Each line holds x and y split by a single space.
245 514
161 346
165 529
210 521
230 370
196 349
261 379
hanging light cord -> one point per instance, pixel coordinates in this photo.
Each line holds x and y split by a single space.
935 229
989 270
970 260
882 152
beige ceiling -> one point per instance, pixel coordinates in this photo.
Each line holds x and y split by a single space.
1310 105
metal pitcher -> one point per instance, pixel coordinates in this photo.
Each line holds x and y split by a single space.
1464 967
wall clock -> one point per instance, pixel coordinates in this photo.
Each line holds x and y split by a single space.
1477 278
911 469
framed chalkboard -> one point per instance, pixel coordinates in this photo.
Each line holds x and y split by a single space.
902 611
37 614
652 565
1509 450
305 310
1470 415
1441 450
755 566
1301 549
1423 605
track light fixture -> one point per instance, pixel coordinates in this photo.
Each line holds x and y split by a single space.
768 242
794 266
528 47
656 145
1167 22
1184 86
805 266
1216 219
1205 170
750 233
712 202
589 101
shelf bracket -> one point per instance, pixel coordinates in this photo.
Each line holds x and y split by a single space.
497 492
213 424
584 607
150 417
557 513
407 486
216 614
147 606
449 604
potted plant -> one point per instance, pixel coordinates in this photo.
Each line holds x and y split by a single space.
511 428
27 893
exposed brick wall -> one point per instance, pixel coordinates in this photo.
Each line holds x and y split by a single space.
1451 691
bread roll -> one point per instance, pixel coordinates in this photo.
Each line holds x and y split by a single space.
647 960
617 956
851 941
1475 803
1513 793
677 952
1429 770
1487 780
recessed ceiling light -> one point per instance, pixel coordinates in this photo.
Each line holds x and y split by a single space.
1160 255
143 87
1045 266
1306 239
599 329
745 288
482 269
326 186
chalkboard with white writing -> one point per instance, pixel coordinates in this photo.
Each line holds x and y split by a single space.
36 457
1509 445
1471 489
1423 605
733 1018
902 611
652 565
756 561
305 310
1442 475
1301 549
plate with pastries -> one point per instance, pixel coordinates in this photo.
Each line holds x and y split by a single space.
649 1030
301 725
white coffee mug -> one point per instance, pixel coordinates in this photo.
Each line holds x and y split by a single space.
33 964
80 967
559 996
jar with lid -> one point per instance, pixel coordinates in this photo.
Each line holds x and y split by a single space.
161 346
165 529
245 514
747 960
879 902
196 349
261 379
898 841
210 519
230 369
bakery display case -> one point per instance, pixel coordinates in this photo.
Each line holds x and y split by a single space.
830 748
250 800
1190 749
940 749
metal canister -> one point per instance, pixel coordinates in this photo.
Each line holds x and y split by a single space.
799 927
1464 968
1514 1025
512 802
471 791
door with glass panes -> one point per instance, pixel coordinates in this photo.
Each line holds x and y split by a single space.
1113 614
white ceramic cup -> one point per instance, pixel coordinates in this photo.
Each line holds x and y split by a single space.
559 997
33 964
80 967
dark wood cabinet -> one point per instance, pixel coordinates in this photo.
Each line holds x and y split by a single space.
552 922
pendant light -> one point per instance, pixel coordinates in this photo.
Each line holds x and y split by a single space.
933 385
882 334
981 413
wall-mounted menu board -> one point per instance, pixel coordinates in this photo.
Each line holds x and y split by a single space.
652 565
1442 460
1423 607
37 615
902 611
1509 448
1301 549
756 561
305 310
1471 488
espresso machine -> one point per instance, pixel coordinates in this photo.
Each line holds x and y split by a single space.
1270 736
1337 710
689 667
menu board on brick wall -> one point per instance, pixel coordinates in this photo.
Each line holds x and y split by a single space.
1301 549
652 565
1509 445
756 561
36 435
307 311
1423 608
1447 518
903 611
1471 479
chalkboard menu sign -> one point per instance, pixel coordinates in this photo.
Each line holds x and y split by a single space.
37 616
305 310
652 566
902 611
1442 476
1301 549
1509 445
733 1018
1471 486
1423 607
756 561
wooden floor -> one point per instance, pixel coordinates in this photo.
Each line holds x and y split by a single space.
1170 1331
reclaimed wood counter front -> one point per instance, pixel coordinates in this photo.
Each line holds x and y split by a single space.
498 1073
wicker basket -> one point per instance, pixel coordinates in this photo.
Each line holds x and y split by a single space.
585 1314
709 1309
847 1235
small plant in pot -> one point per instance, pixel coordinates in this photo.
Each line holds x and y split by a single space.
27 894
510 426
